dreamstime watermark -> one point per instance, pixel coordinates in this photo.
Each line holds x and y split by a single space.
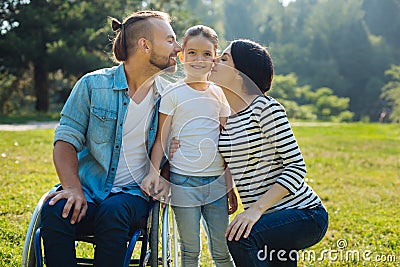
339 254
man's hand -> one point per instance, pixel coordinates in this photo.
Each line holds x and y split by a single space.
76 200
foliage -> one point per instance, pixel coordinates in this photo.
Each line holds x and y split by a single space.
352 167
7 84
302 103
342 45
391 92
16 93
68 37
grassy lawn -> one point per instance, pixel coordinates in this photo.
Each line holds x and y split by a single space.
28 117
355 168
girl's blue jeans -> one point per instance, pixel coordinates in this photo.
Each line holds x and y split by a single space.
277 236
110 222
201 198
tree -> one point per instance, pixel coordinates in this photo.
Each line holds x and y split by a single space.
335 49
52 35
382 19
391 93
66 36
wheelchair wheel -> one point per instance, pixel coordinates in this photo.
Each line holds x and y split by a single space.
153 238
163 238
169 239
28 253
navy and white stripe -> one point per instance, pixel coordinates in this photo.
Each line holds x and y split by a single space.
260 149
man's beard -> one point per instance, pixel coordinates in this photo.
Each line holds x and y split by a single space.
162 62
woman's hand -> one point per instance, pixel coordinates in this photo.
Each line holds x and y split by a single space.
173 147
242 224
246 220
232 201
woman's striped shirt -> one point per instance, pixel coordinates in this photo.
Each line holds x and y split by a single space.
260 149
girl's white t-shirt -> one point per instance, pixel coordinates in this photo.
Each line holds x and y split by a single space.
195 123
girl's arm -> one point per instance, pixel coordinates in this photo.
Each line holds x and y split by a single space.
151 183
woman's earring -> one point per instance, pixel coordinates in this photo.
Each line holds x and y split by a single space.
180 56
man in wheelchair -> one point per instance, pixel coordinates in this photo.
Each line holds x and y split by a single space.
107 128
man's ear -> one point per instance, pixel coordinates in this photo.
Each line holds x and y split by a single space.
144 45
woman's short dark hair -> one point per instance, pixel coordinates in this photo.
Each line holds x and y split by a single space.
253 61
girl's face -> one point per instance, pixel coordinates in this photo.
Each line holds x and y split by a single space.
198 55
224 72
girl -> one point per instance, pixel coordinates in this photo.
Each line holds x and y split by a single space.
193 111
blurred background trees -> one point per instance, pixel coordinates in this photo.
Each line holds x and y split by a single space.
335 60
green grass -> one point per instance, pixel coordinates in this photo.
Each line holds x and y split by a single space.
28 117
355 169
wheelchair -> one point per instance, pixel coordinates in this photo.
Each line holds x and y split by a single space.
159 245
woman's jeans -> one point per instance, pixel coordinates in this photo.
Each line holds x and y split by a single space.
111 222
196 198
277 236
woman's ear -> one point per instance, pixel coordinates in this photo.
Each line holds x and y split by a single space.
238 76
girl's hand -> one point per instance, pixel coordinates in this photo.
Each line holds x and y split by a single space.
242 224
232 202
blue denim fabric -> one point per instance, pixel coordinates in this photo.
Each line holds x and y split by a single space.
284 231
92 121
110 222
213 212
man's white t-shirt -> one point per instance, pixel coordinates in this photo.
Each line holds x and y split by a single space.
134 162
195 123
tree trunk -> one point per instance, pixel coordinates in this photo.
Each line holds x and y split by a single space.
41 87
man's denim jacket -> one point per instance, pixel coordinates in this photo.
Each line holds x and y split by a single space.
92 120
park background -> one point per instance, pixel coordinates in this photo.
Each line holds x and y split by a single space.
335 60
337 65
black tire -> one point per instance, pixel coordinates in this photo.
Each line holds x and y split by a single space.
155 221
28 253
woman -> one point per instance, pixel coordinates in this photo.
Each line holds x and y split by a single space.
282 213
